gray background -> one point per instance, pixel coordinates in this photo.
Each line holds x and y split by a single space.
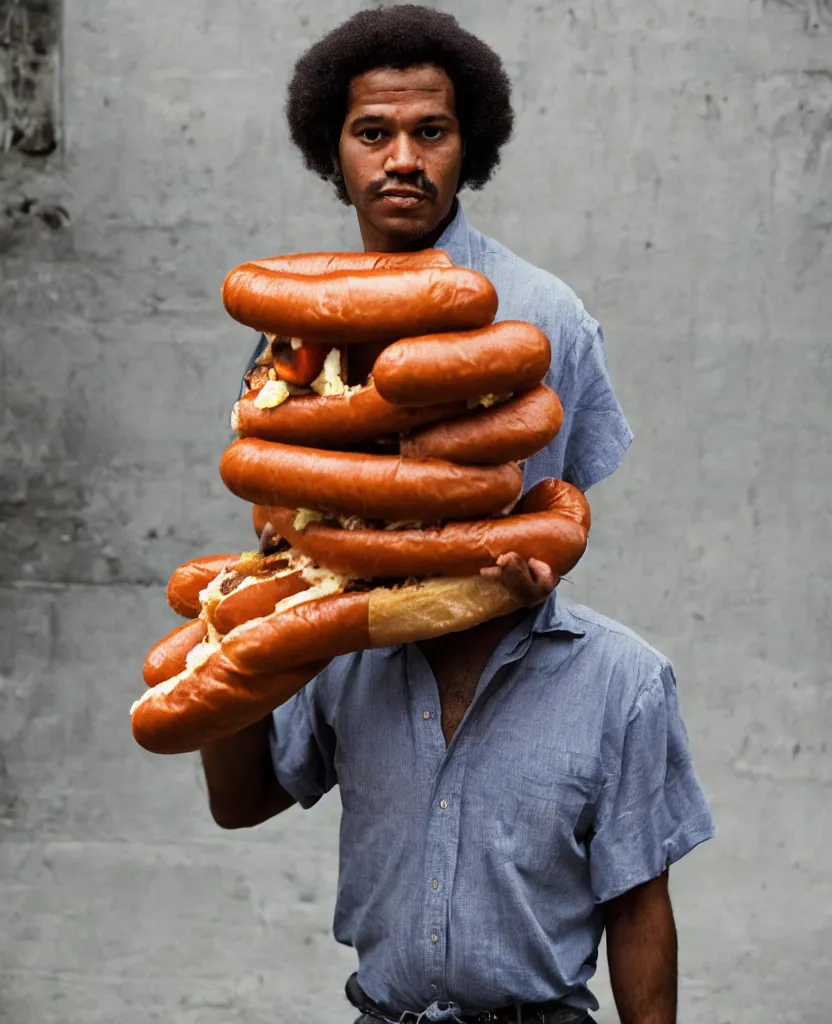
673 163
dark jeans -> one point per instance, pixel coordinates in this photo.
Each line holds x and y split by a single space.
574 1017
559 1017
550 1014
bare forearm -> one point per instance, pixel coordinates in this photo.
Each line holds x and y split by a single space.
242 788
642 954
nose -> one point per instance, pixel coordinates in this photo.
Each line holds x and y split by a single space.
403 156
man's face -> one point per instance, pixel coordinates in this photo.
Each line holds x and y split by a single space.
400 154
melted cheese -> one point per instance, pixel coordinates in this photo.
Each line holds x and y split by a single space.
324 582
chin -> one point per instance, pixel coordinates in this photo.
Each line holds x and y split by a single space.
408 228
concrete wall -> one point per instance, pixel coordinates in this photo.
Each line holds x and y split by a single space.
673 162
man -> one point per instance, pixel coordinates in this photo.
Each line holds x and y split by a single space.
509 792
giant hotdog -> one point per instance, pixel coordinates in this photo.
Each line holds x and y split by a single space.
360 549
227 590
237 680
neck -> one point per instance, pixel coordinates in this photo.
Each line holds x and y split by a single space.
373 241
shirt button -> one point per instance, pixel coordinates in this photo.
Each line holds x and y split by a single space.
443 804
426 715
434 938
434 883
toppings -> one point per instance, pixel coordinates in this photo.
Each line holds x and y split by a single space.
259 376
306 516
329 382
296 361
486 401
272 394
323 584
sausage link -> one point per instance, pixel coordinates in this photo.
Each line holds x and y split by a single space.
499 359
359 306
188 579
337 421
255 600
551 524
506 433
168 657
384 487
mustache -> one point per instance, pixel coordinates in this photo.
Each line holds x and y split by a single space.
418 181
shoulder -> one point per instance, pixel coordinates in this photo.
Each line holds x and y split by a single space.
547 300
612 634
634 667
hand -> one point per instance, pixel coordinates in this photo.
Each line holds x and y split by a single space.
529 582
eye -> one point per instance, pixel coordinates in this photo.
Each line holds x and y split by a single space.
371 134
433 133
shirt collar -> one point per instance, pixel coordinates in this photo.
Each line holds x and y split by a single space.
554 617
456 238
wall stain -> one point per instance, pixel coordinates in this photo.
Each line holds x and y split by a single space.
29 33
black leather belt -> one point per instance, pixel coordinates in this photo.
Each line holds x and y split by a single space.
528 1013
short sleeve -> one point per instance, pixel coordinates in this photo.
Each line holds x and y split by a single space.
303 748
651 810
594 427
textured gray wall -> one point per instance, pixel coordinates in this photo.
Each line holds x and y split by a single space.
673 162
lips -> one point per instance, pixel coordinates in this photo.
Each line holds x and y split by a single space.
401 194
402 203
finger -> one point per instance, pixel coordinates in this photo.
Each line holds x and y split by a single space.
541 573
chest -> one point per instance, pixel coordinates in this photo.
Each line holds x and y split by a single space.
457 675
457 662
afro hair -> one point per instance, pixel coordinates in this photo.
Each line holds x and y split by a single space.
399 37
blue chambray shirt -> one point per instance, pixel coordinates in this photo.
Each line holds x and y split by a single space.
472 873
594 434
